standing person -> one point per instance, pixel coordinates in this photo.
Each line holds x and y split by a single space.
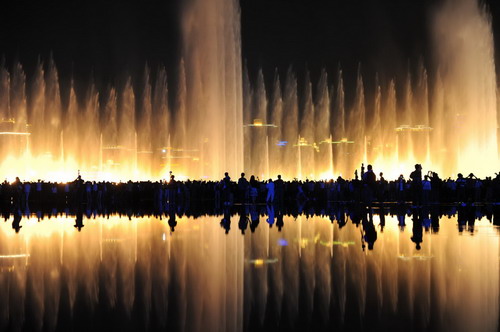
382 188
400 189
279 190
226 188
426 190
416 184
27 189
270 191
18 194
369 183
461 184
243 188
172 189
254 184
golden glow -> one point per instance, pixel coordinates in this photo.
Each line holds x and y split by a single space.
415 128
14 133
258 262
14 256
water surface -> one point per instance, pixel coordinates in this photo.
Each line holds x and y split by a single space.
121 274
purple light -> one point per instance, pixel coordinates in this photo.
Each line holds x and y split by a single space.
282 242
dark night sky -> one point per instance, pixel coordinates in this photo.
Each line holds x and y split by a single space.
113 37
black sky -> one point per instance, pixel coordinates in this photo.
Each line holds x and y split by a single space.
111 38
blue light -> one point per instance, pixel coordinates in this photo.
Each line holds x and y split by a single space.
282 143
282 242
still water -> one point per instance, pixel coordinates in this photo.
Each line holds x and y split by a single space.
136 274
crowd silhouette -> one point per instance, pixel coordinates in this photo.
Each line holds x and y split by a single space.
425 198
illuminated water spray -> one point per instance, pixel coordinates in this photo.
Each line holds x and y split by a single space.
444 118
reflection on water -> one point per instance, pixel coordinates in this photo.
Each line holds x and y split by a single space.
121 274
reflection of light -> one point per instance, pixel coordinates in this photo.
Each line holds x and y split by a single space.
282 143
413 128
282 242
7 268
14 133
260 123
343 141
344 244
14 256
164 237
260 261
416 257
109 240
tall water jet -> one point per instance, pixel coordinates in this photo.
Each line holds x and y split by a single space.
376 139
18 102
276 137
463 44
389 124
110 131
180 120
144 132
258 133
307 128
37 110
89 134
161 122
357 124
70 137
341 152
127 149
53 110
324 159
290 124
247 115
211 50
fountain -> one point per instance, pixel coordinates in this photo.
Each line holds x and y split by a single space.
444 115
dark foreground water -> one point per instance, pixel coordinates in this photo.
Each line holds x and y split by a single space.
120 274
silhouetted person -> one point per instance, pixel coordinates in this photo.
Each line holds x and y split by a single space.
426 190
461 183
18 192
16 223
279 220
226 220
416 184
417 237
243 222
79 220
254 192
243 192
400 189
254 217
171 220
370 234
270 215
279 190
383 190
369 183
382 218
172 189
270 191
226 189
